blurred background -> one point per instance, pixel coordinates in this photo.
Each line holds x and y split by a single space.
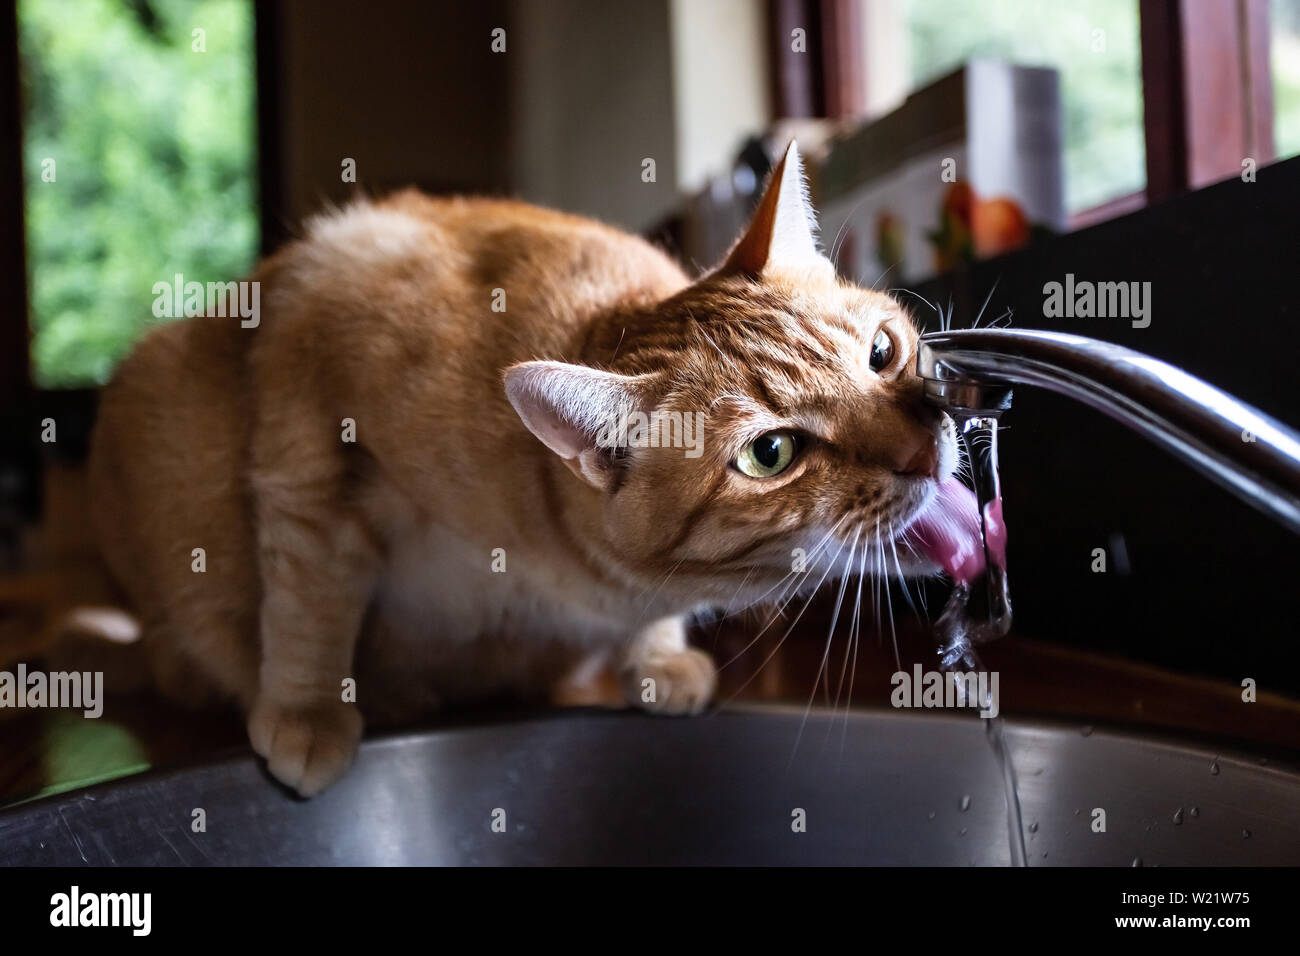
963 150
165 153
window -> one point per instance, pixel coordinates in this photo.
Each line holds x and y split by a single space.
139 164
1095 44
1285 24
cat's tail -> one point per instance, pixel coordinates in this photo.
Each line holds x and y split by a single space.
99 639
57 635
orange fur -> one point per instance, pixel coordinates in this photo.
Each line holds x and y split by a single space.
329 560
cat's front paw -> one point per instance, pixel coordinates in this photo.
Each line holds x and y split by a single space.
676 682
306 748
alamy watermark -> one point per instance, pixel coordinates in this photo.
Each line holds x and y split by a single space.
952 689
133 911
180 299
1102 300
657 429
77 690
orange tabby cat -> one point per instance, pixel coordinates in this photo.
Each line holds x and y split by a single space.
412 481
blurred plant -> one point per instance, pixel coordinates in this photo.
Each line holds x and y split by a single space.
154 165
952 240
889 239
972 226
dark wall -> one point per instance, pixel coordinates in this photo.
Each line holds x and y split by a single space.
411 90
414 92
1210 582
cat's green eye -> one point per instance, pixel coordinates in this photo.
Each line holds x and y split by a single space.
882 351
767 455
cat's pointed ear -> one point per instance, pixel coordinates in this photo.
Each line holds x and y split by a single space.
575 410
783 230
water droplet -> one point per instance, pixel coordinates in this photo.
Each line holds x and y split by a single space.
1137 861
1044 854
931 815
1196 811
1076 813
1245 834
1033 827
961 832
1214 768
965 803
1086 730
1178 817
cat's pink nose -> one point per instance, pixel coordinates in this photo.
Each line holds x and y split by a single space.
923 461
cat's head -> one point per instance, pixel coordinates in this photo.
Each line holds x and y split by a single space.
767 415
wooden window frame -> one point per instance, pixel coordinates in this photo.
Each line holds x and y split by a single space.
1207 88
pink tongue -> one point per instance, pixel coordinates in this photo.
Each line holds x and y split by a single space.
948 532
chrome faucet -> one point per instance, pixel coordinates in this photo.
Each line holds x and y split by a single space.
970 374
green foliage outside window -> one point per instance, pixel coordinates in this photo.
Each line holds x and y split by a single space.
1284 23
1093 43
146 129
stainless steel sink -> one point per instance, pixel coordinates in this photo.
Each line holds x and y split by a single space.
602 788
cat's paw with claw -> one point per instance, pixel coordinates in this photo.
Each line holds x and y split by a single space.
677 682
306 748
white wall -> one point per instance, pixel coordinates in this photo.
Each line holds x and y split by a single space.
722 83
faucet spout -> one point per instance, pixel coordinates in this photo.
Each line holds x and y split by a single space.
970 373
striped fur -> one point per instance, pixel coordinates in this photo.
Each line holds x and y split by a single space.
447 554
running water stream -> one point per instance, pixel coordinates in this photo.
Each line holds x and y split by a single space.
980 610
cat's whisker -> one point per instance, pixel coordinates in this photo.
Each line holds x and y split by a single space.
830 566
932 305
810 561
790 579
646 605
851 665
793 593
889 603
619 343
842 233
903 541
854 623
730 362
662 582
839 601
898 565
791 590
881 277
997 323
830 637
794 577
980 314
875 583
727 611
783 584
850 646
